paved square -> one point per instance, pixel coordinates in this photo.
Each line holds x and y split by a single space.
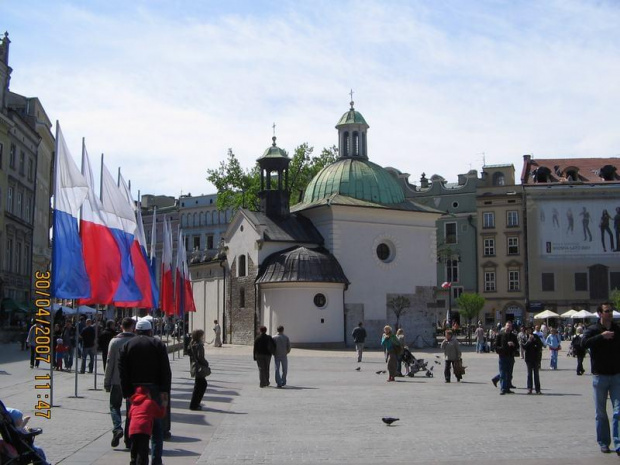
331 413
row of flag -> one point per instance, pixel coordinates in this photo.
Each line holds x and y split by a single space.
99 253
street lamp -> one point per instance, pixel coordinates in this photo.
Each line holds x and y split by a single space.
448 286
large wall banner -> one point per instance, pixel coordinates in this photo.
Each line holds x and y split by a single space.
580 227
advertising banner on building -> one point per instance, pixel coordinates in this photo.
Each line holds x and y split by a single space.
579 227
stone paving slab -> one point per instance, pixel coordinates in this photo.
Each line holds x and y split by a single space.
331 413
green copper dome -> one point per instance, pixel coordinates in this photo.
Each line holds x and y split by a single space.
274 151
352 117
356 178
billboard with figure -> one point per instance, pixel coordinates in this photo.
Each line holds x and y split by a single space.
579 227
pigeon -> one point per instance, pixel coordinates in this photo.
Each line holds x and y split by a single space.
358 368
381 371
437 356
389 420
437 362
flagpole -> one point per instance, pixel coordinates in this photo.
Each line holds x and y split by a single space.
53 249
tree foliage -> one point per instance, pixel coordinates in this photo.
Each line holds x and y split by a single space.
615 298
470 305
399 306
238 187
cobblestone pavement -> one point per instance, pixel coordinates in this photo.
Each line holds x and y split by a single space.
330 413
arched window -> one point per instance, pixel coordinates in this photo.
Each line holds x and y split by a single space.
195 223
363 152
183 220
207 218
241 271
215 217
499 179
542 174
356 144
242 297
608 173
571 175
345 144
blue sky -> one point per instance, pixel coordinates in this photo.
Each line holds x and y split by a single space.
164 88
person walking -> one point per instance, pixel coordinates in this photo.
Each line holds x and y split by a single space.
264 348
532 348
392 347
603 341
112 381
452 354
87 336
479 335
522 338
144 362
283 348
104 340
68 336
507 346
143 412
198 368
578 350
359 337
553 342
217 329
32 343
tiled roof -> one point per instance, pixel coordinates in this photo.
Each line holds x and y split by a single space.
301 264
292 228
588 169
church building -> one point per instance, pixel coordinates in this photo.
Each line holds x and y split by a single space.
348 252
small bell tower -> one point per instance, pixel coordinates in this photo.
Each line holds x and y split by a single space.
274 193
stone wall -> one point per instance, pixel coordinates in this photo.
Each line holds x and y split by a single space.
241 321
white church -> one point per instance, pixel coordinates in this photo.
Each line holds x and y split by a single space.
337 258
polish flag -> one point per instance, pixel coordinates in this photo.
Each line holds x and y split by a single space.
101 253
122 223
138 257
167 284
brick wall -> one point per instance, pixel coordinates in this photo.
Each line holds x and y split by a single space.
240 320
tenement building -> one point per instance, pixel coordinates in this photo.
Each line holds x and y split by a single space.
573 229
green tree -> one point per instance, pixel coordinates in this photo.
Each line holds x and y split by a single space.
399 306
238 187
470 305
615 298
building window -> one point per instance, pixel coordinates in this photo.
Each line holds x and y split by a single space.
514 283
452 270
498 179
196 242
215 218
12 156
18 212
209 241
242 297
489 247
8 265
450 233
30 169
241 266
22 158
512 220
489 281
488 220
581 281
9 200
513 246
320 300
18 258
27 210
456 292
614 280
384 252
548 284
25 267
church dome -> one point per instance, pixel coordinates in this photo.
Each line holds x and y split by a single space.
357 178
351 117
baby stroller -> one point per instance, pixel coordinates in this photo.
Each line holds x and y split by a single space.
17 447
415 364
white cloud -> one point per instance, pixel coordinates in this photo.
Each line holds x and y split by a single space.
164 93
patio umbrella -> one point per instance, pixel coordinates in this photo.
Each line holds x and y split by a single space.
546 315
616 314
568 314
584 314
82 309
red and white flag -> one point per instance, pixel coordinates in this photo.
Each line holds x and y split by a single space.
167 284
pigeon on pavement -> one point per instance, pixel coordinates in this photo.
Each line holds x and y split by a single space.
389 420
358 368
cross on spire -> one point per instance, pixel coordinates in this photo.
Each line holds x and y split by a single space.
351 94
274 134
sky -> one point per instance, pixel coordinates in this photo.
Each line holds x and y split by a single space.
164 88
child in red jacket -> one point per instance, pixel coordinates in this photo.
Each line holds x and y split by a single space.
142 412
60 351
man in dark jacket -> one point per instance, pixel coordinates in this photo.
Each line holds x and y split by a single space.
264 348
359 337
506 346
144 362
87 336
603 340
104 340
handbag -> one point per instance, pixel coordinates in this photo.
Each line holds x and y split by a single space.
202 371
459 369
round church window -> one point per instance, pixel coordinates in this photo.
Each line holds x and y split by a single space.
383 252
320 300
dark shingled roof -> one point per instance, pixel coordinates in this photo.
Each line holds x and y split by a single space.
292 228
300 264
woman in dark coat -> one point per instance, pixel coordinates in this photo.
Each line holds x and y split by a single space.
533 350
197 360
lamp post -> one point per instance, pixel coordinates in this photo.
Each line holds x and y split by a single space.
448 286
